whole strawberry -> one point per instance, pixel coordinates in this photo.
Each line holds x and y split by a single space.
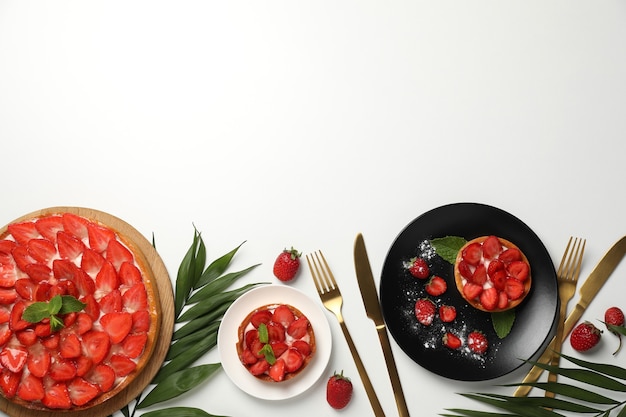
614 316
287 264
585 336
338 391
477 342
418 267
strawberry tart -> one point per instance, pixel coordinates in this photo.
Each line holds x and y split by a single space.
78 312
492 274
275 342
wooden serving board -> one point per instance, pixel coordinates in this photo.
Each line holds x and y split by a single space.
165 311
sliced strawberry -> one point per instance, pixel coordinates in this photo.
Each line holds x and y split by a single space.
141 321
472 254
39 360
5 314
479 276
518 270
81 391
293 360
66 287
117 325
75 225
499 279
452 341
283 315
27 337
251 336
57 397
16 322
13 358
96 345
30 388
277 371
26 288
279 348
135 298
85 285
91 306
83 366
49 226
7 245
23 232
122 364
494 266
261 316
425 311
22 257
7 296
256 348
51 342
91 262
110 303
465 270
503 300
106 279
248 358
99 236
69 246
5 333
489 298
62 370
38 272
42 293
447 313
42 250
472 291
276 332
491 247
9 382
129 274
510 255
436 286
298 328
70 346
117 254
103 376
259 368
134 344
8 270
514 288
303 347
42 329
84 323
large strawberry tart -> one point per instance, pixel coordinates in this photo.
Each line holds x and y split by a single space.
275 342
77 312
492 274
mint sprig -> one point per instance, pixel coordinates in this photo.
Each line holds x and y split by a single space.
58 305
266 350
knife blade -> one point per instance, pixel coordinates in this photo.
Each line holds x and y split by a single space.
588 291
372 308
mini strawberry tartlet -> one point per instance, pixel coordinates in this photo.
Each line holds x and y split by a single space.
77 312
492 274
276 342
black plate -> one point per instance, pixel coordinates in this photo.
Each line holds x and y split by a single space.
535 318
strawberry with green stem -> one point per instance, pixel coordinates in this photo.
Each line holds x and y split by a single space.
614 320
287 264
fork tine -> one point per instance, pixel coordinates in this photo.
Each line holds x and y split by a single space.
565 258
330 279
315 273
580 260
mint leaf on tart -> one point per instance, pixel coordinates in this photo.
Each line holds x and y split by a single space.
448 247
52 309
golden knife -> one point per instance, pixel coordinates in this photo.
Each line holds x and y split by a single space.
588 291
372 308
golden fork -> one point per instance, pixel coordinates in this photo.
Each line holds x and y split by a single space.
567 276
331 298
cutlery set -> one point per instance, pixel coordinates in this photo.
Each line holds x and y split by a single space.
567 278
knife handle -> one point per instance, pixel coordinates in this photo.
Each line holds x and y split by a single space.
403 410
369 389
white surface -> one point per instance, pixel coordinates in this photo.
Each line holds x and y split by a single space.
228 337
303 123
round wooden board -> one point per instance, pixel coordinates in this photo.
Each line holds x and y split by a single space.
165 310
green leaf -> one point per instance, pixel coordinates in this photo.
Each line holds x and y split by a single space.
471 413
185 343
217 267
263 333
570 391
448 247
202 321
610 370
514 407
56 323
585 375
70 304
218 285
179 412
36 312
209 304
186 277
503 322
55 304
179 383
268 352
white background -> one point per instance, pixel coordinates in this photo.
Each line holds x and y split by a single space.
303 123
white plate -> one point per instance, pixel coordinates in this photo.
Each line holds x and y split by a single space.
227 341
